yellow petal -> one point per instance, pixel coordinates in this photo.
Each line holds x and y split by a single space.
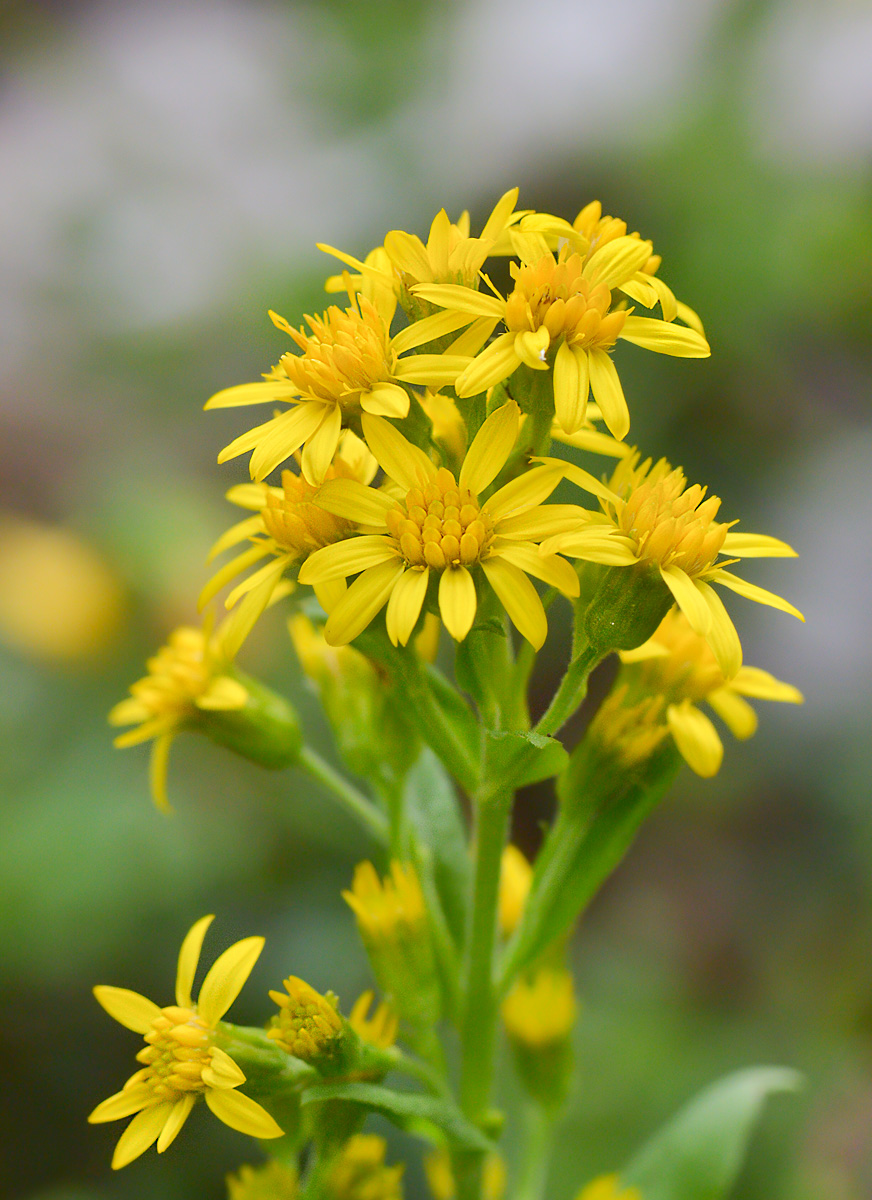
460 299
590 439
421 332
247 441
457 601
736 713
550 568
354 501
189 956
760 685
123 1104
226 978
320 447
289 432
544 520
157 771
347 558
525 492
490 448
495 363
127 1008
222 1072
473 338
696 738
398 457
582 478
175 1121
404 604
722 636
751 592
142 1132
519 598
531 347
608 393
329 593
269 574
235 534
385 400
432 370
230 570
247 612
407 253
617 261
756 545
594 544
689 317
571 387
665 337
366 596
253 393
502 210
242 1113
223 695
688 598
150 729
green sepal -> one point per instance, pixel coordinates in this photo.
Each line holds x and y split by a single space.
626 608
513 760
699 1153
582 849
431 1117
265 730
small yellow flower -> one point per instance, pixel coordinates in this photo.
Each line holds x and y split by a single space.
626 731
378 1028
540 1011
561 315
287 525
308 1025
349 365
359 1172
651 517
272 1180
440 528
679 666
516 876
185 678
608 1187
181 1060
440 1177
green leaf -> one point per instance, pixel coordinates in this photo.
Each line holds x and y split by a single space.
434 813
699 1154
428 1116
516 759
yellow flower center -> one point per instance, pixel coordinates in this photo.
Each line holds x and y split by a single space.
295 522
346 353
178 674
554 293
441 525
671 524
307 1024
179 1048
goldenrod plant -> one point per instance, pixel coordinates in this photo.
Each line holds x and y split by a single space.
443 484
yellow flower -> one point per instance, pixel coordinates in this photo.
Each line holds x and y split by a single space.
516 876
359 1172
287 525
608 1187
181 1060
308 1025
349 365
651 517
187 677
561 315
378 1028
541 1010
440 1177
678 665
272 1180
441 528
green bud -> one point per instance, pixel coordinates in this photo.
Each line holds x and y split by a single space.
626 609
266 729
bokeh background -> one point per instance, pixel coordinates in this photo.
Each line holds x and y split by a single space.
165 170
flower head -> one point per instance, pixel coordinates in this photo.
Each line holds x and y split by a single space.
541 1010
377 1028
678 667
186 678
181 1060
437 527
359 1171
562 314
348 365
308 1025
516 876
652 519
271 1180
440 1177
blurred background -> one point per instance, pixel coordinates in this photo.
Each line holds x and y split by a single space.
165 170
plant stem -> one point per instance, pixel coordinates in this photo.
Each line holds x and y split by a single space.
572 690
536 1153
353 801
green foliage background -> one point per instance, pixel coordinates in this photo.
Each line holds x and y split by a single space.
159 199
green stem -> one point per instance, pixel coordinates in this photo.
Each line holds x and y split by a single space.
353 801
536 1152
424 1072
572 690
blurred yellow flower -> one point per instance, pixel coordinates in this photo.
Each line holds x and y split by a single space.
440 527
541 1009
271 1180
608 1187
378 1028
440 1177
185 677
181 1060
359 1172
516 875
651 517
